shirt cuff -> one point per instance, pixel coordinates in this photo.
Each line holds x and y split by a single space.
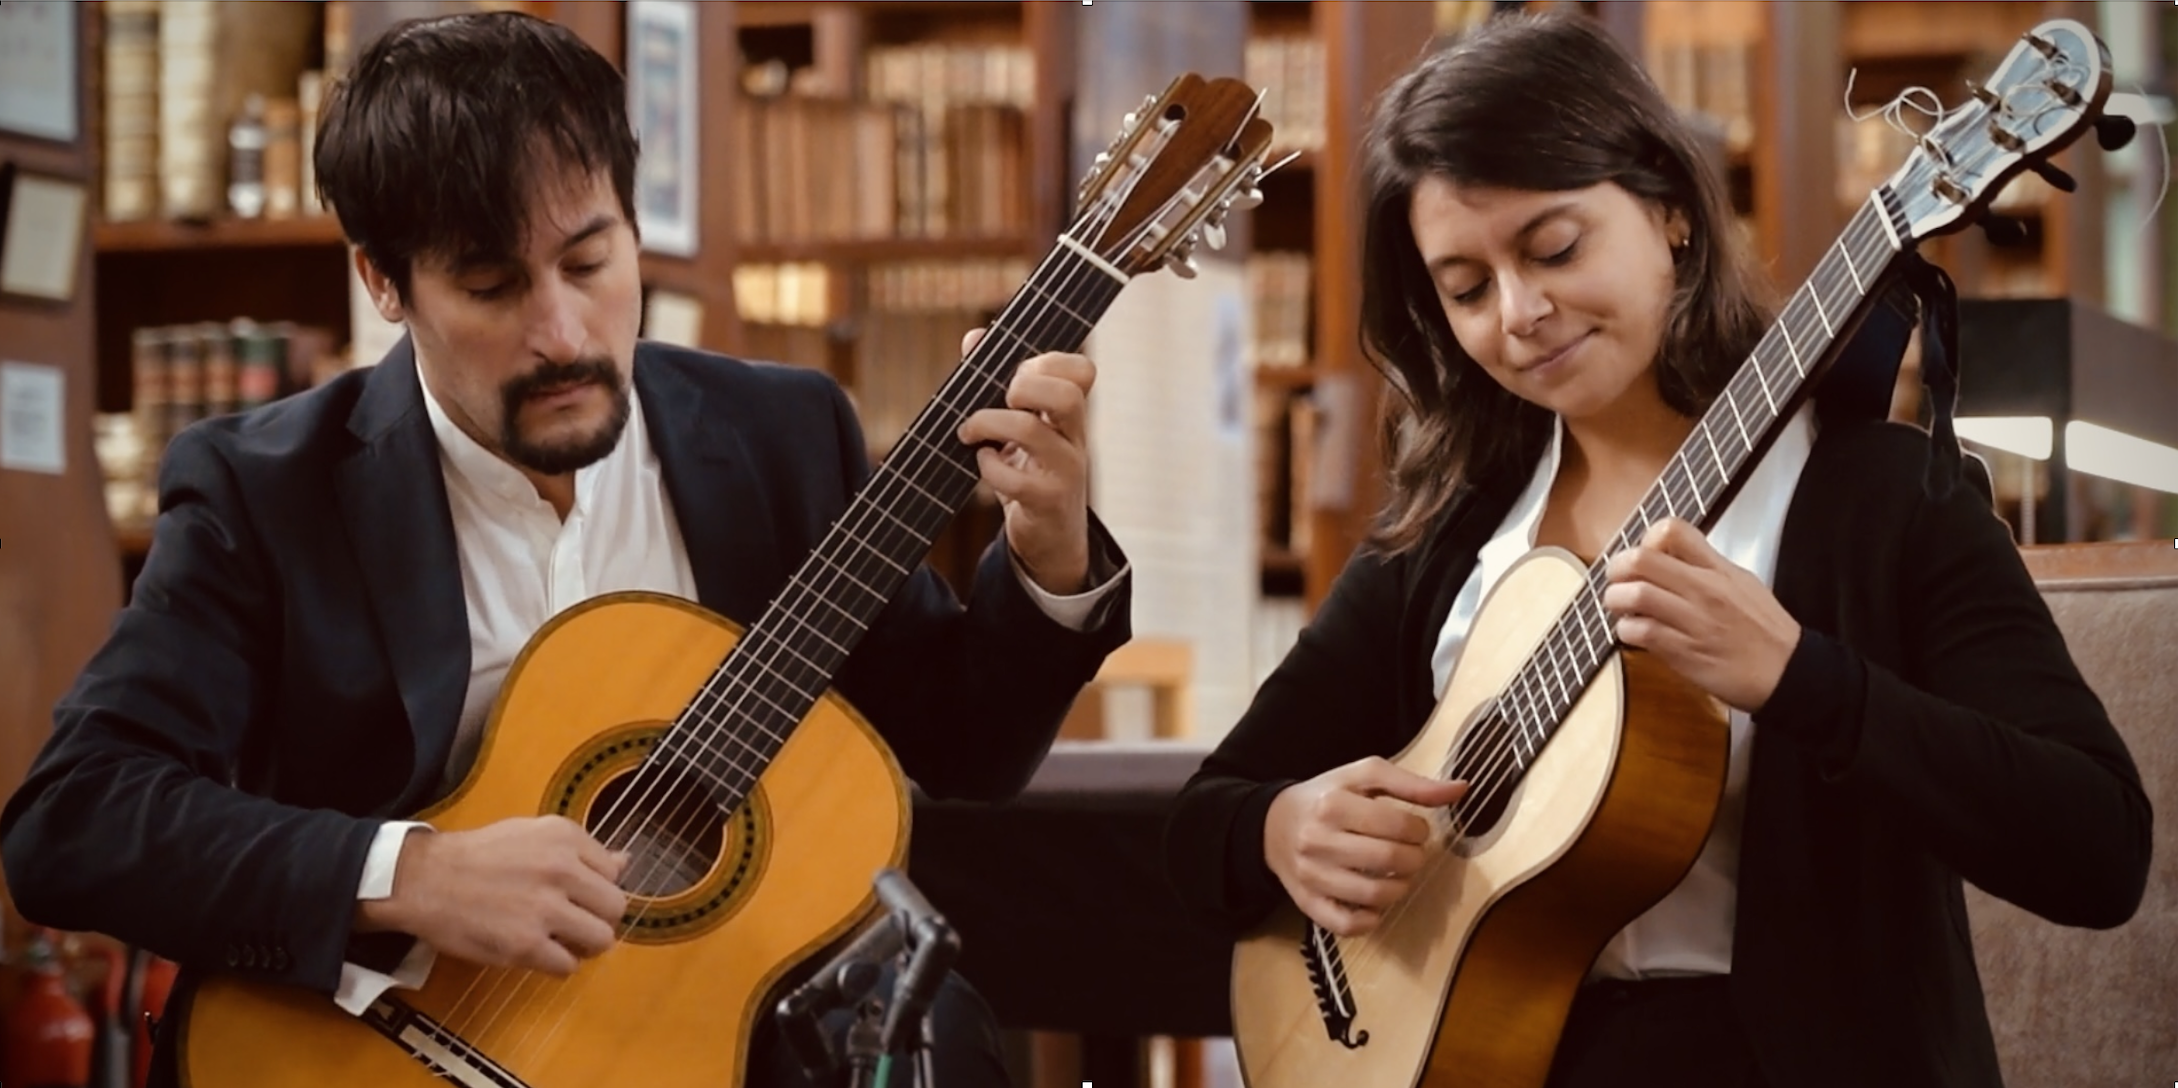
1071 612
384 855
359 985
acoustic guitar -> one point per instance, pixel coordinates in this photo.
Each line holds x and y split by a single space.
1595 772
756 803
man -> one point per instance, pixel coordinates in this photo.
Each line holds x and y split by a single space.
339 582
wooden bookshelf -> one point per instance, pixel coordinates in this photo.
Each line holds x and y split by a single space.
162 236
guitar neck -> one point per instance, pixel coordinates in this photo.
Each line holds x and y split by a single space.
1728 441
735 725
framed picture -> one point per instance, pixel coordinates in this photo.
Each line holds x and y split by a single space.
41 234
662 107
38 83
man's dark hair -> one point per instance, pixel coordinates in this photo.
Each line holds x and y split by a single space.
430 146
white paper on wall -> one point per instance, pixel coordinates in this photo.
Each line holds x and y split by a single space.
33 426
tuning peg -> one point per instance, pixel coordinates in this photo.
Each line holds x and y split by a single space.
2057 178
1213 233
1243 199
1182 265
2003 231
2114 130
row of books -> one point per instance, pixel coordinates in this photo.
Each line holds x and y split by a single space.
181 374
209 106
1286 423
904 339
1710 79
1288 70
1281 300
820 169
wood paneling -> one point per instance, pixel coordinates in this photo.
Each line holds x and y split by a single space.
1798 92
59 584
1365 46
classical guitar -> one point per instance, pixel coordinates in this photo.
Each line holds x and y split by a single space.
756 803
1595 771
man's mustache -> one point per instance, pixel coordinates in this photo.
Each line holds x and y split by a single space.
552 375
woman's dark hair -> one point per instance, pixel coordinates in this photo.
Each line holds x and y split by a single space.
1528 102
433 142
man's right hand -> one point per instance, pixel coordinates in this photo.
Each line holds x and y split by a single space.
536 893
1343 845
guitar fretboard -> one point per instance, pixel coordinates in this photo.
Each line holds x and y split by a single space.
736 724
1708 469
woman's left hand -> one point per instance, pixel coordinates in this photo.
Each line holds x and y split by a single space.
1712 622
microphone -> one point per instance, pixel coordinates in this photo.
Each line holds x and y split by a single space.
845 980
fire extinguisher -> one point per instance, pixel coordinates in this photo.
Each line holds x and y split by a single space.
49 1036
155 979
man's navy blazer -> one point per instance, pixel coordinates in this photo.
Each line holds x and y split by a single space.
299 631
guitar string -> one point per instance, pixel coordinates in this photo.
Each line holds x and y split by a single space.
1501 764
1498 771
632 816
1069 282
1100 213
1056 297
1522 695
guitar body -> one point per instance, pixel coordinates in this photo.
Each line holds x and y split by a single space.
1467 983
675 1002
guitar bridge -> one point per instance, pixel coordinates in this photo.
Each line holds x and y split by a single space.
1334 998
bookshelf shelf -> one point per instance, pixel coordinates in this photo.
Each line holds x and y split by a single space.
151 236
1284 377
877 250
134 540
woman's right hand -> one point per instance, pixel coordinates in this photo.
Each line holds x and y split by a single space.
1344 845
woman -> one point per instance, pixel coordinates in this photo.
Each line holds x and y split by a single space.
1554 291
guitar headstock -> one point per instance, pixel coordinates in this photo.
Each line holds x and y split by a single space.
1190 155
2049 89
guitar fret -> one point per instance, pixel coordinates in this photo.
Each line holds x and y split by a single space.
1061 306
1858 286
924 443
1799 368
835 606
753 689
734 739
828 561
1722 471
803 623
1764 385
1816 298
1738 419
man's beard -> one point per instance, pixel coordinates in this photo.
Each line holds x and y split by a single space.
558 458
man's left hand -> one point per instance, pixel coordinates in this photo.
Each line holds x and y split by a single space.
1037 461
1713 622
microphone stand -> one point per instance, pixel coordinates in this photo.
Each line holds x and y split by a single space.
882 1038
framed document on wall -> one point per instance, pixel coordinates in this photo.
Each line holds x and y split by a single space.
662 107
41 234
38 82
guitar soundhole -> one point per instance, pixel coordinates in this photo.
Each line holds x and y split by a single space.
1489 761
672 829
